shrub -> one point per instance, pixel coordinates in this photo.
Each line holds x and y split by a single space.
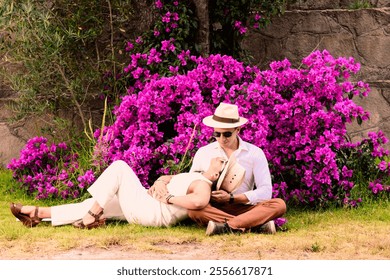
50 171
298 117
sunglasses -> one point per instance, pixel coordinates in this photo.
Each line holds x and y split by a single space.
225 134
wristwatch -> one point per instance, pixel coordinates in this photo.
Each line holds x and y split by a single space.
231 200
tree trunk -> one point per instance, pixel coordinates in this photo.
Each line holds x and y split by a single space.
202 12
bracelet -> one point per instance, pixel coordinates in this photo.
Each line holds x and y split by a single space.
168 198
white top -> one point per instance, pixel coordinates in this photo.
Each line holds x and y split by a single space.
252 158
178 186
177 183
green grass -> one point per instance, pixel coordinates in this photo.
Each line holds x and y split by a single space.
360 233
360 4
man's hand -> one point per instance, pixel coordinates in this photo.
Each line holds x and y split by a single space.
220 196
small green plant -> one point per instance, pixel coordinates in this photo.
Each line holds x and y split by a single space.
316 247
360 4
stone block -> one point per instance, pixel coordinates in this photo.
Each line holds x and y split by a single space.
10 145
334 4
375 50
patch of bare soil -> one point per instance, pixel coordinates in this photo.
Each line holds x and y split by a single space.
189 251
166 251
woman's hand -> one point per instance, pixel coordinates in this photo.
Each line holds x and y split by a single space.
163 197
159 187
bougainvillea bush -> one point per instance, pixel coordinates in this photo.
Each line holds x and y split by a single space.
297 116
50 170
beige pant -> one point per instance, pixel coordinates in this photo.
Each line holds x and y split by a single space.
121 194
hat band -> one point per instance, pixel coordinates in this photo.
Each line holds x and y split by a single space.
225 120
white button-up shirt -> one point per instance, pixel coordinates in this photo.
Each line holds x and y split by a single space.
249 156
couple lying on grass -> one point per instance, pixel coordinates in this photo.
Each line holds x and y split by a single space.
219 191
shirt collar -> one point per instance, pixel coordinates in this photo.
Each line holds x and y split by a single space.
242 145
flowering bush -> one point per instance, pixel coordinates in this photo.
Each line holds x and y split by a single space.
50 171
298 117
366 161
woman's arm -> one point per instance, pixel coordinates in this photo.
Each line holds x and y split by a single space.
197 198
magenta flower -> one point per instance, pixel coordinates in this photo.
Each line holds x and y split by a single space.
279 222
383 165
167 17
159 4
139 40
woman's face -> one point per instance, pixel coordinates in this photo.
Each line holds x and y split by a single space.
217 165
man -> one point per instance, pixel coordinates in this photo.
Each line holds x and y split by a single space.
250 207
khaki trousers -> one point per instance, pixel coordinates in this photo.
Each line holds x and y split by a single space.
240 216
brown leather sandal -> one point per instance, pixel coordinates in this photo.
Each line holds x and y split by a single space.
97 223
16 210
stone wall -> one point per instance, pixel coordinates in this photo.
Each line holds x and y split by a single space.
9 144
14 135
363 34
336 4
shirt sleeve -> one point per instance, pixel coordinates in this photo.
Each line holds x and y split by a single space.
262 179
196 163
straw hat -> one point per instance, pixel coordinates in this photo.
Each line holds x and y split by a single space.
232 176
225 116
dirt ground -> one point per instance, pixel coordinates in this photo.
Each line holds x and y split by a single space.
190 251
213 255
117 252
167 252
174 252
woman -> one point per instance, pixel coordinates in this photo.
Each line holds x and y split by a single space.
118 193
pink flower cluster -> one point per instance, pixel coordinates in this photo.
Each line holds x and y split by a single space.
50 171
239 26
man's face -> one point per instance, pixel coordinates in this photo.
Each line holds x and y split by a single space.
225 136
